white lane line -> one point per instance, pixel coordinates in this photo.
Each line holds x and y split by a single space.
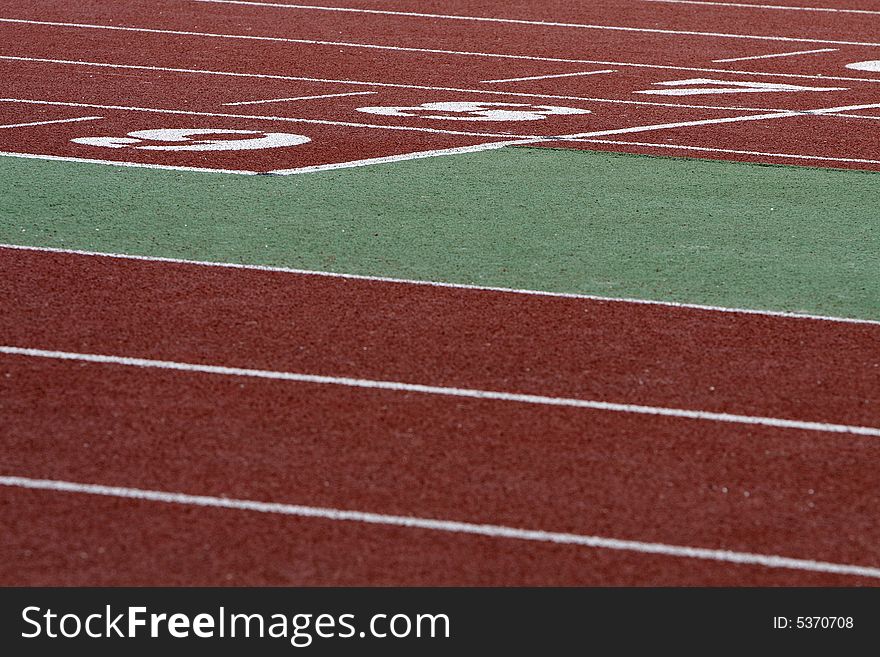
36 123
345 44
390 85
547 77
285 100
444 391
460 150
683 147
841 108
449 526
445 285
116 163
743 5
781 54
517 21
258 117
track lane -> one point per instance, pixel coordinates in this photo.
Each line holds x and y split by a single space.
84 540
679 482
660 356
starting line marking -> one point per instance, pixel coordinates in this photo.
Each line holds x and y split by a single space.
782 54
459 150
450 526
284 100
517 21
547 77
455 286
444 391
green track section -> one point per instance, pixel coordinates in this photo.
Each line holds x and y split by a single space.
722 233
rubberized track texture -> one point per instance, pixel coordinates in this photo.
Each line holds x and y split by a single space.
799 492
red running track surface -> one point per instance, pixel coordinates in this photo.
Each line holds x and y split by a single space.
764 490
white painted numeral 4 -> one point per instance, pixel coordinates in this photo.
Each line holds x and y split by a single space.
873 66
196 139
475 111
707 86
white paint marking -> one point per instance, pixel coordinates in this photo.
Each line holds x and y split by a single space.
841 108
818 158
742 5
287 100
259 117
873 66
475 111
444 285
782 54
461 150
444 391
115 163
449 526
707 86
206 140
547 77
36 123
517 21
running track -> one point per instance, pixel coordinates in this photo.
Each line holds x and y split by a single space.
643 76
182 423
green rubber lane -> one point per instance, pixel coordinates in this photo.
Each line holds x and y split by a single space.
722 233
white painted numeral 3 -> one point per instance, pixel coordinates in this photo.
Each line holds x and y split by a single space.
475 111
187 139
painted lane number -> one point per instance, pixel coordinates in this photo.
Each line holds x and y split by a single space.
475 111
196 139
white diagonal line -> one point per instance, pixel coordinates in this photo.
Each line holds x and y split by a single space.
454 286
36 123
781 54
434 524
397 386
285 100
547 77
